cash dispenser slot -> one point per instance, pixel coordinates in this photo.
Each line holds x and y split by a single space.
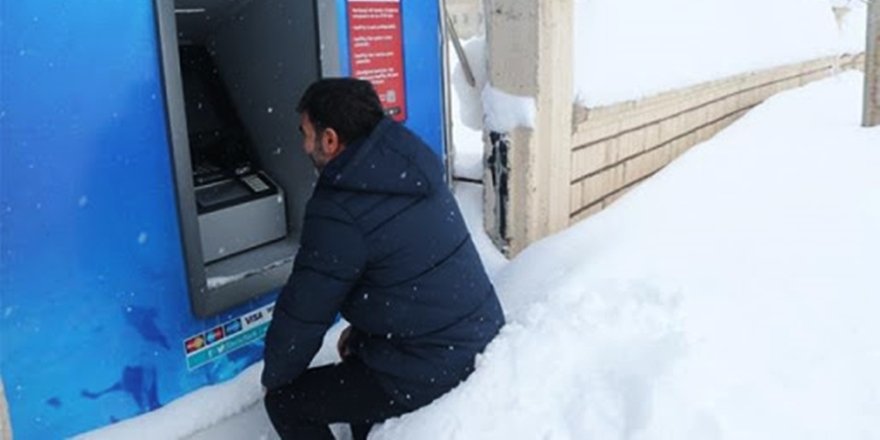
233 71
239 214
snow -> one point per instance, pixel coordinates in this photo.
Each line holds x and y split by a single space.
219 411
621 52
218 281
853 26
190 413
470 200
483 105
732 295
504 111
575 367
467 110
625 50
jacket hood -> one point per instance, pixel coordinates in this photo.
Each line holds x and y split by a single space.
391 160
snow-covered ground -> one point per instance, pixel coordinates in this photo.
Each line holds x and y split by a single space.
626 50
733 295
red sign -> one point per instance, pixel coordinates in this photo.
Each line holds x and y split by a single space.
375 43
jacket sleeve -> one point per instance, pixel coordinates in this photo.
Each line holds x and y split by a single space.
328 265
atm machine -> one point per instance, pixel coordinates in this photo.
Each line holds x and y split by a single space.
153 184
232 90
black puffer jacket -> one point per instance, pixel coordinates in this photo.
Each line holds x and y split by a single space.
385 244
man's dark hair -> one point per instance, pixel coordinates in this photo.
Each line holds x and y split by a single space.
347 105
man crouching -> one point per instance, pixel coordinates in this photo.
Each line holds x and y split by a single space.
384 244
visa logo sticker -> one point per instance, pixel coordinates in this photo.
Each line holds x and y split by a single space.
253 318
232 335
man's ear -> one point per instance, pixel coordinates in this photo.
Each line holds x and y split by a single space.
330 142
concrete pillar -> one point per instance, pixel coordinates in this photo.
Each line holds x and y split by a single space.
529 46
872 67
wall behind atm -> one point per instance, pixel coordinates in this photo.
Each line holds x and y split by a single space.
94 306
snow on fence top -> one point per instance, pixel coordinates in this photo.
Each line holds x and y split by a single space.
628 49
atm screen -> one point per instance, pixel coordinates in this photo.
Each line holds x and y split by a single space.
218 141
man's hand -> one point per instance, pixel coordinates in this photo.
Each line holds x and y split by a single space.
342 344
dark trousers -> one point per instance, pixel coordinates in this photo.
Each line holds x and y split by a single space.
341 393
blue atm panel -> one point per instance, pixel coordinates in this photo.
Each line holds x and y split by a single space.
97 322
94 292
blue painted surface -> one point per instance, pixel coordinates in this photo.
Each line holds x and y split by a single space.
94 306
342 26
424 72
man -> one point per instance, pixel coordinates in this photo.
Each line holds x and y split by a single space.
385 245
